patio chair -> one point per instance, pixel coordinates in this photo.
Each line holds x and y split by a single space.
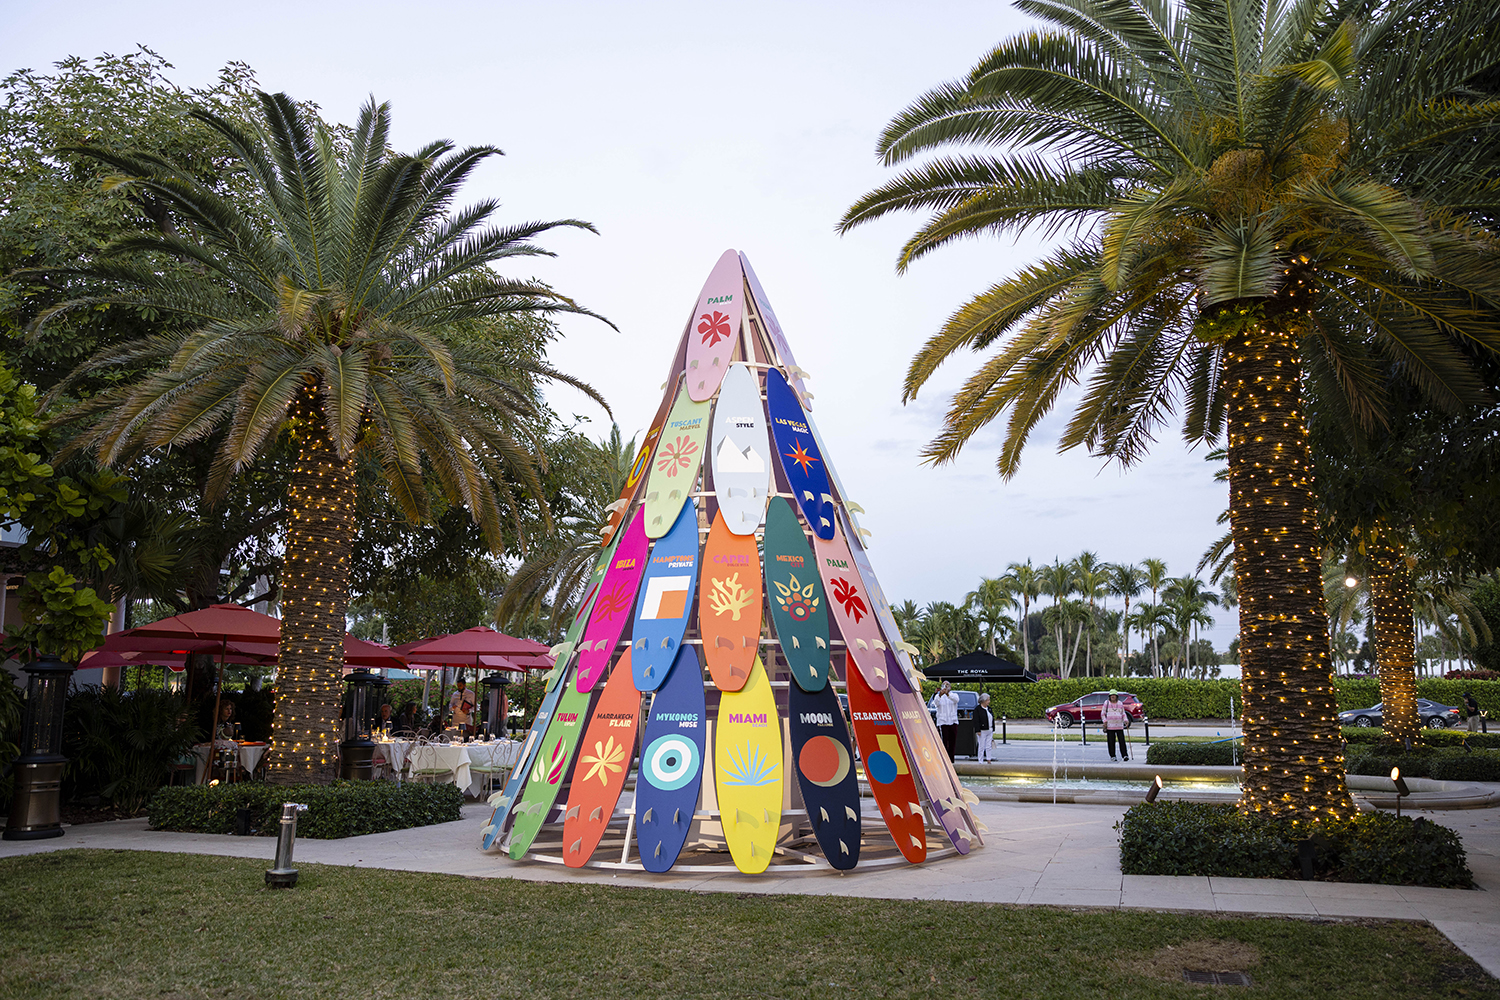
494 774
186 765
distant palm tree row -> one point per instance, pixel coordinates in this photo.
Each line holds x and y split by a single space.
1076 628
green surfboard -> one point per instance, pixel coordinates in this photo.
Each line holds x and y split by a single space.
548 768
674 467
794 592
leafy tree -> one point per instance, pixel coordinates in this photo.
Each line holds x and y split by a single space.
1248 182
330 326
1024 581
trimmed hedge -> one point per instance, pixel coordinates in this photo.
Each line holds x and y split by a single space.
1445 764
343 809
1357 735
1196 838
1197 754
1181 698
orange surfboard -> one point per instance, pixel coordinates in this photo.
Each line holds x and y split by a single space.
729 605
604 758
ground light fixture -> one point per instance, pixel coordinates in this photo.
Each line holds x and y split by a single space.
283 875
1351 581
1402 791
1154 790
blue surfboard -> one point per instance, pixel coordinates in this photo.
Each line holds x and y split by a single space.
665 602
824 762
671 772
797 451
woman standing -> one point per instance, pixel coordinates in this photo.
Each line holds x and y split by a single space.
1112 713
945 703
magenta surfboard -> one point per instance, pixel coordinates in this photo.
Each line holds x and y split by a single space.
715 327
614 605
852 608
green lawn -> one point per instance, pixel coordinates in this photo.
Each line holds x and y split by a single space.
134 924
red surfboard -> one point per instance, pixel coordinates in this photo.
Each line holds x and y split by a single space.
604 759
887 767
729 605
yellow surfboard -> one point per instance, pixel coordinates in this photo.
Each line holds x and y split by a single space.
748 771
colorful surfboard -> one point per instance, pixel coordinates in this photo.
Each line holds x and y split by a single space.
877 601
612 607
665 603
747 765
671 771
620 507
773 328
825 772
931 765
886 766
715 328
674 469
851 608
954 795
799 455
799 612
729 605
604 759
740 459
548 768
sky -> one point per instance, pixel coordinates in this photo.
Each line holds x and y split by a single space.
680 130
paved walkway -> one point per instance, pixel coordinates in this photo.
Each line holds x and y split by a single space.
1036 853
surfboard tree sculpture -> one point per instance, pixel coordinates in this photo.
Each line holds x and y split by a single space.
734 652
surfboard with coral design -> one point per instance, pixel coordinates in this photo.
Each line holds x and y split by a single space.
665 604
548 768
740 460
748 769
851 608
799 455
794 592
671 772
824 762
729 605
715 328
674 467
887 767
612 606
603 763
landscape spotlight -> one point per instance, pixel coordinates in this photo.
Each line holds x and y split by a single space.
1154 790
1401 790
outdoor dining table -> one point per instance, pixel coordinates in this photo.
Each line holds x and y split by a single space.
455 757
250 755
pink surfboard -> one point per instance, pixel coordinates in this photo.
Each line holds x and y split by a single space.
614 605
715 327
852 608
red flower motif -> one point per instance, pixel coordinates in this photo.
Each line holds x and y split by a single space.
714 326
848 595
676 455
612 603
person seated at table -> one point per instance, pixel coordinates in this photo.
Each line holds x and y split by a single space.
461 705
226 726
386 720
406 719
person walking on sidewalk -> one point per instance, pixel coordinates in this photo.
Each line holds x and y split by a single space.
984 722
1471 709
1114 717
945 703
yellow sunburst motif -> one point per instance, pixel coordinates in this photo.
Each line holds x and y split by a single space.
605 759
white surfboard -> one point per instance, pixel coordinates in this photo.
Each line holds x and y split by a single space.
740 456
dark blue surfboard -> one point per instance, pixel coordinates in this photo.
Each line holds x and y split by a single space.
797 451
664 604
824 762
671 764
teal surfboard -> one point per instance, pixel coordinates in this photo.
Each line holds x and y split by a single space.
794 591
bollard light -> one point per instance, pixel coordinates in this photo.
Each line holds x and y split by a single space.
1401 790
284 876
1154 790
35 805
1002 730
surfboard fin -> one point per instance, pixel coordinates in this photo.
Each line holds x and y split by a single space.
498 799
576 845
487 830
652 497
646 818
862 645
907 647
916 810
561 650
723 642
897 810
969 797
746 641
571 813
963 835
879 644
619 504
666 643
915 842
853 507
826 498
981 826
851 814
824 813
808 494
824 520
658 849
865 533
813 671
693 364
843 847
674 495
795 643
767 814
822 643
596 814
676 816
640 643
650 670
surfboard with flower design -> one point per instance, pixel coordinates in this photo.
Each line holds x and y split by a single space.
798 453
549 768
674 467
603 763
612 606
748 769
852 609
794 592
715 328
824 763
671 774
729 605
887 767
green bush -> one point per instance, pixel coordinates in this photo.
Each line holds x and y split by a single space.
10 733
1414 763
343 809
1195 838
121 745
1357 735
1198 754
1482 765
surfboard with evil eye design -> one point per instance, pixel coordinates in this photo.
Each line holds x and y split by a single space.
887 767
824 763
674 467
799 609
798 453
715 328
612 605
850 606
603 764
671 773
748 769
548 768
740 459
729 605
665 603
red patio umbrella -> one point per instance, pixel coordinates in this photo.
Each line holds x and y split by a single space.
475 647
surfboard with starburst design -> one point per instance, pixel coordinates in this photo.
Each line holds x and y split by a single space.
797 452
748 770
604 758
729 605
715 327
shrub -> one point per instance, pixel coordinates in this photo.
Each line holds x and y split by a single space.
1194 838
1482 765
1472 675
1199 754
10 733
121 745
1356 735
1414 763
343 809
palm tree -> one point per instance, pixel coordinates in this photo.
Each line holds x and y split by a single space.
1242 181
1125 581
1025 582
1147 620
1188 597
1092 578
990 599
342 314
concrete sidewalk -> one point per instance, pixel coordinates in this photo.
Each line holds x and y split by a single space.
1035 853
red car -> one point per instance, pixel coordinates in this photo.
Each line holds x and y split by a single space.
1087 709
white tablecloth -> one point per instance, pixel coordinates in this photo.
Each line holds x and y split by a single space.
250 755
455 757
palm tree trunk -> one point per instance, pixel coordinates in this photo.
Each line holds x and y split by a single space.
315 595
1395 642
1294 751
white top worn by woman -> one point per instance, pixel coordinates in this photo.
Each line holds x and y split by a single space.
947 708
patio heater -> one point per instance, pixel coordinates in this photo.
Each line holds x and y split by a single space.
35 807
496 705
357 752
